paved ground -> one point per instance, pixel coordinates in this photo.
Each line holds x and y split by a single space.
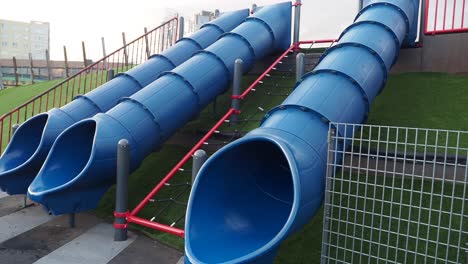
29 235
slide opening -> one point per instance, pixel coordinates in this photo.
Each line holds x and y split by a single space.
24 143
68 157
243 200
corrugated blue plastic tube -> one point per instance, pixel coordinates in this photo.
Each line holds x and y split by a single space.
255 192
31 143
73 181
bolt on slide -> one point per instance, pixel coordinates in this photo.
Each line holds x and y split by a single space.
74 181
32 141
255 192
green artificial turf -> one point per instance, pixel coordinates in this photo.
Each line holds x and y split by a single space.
428 100
15 96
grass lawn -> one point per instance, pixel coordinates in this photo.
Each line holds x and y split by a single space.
15 96
416 100
429 100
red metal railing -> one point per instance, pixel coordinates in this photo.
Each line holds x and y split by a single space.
178 168
445 17
91 77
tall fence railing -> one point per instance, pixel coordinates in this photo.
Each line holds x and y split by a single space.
445 17
91 76
395 195
271 86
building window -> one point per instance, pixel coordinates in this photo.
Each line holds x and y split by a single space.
4 43
15 44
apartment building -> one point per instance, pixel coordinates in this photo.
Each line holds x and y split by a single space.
21 38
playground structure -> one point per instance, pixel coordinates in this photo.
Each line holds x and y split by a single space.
351 42
285 159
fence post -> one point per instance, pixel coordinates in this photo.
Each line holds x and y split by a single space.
236 88
49 74
125 49
85 63
330 168
297 20
31 67
299 66
67 73
181 27
121 195
147 43
104 54
199 158
15 66
361 5
110 74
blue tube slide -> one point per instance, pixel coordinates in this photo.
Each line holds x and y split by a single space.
81 164
30 145
255 192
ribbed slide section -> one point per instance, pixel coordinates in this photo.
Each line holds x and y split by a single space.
255 192
30 145
82 162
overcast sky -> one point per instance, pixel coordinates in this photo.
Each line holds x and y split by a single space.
88 20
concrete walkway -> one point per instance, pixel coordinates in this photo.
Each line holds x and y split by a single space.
30 235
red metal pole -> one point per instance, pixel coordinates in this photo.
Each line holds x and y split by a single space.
17 115
181 163
453 13
436 15
445 15
40 104
320 41
157 226
463 15
60 96
426 17
47 101
9 128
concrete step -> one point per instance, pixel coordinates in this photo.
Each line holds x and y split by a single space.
30 235
21 221
94 246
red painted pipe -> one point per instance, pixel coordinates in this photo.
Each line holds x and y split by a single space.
156 226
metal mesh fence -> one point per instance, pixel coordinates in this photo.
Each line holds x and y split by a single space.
396 195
